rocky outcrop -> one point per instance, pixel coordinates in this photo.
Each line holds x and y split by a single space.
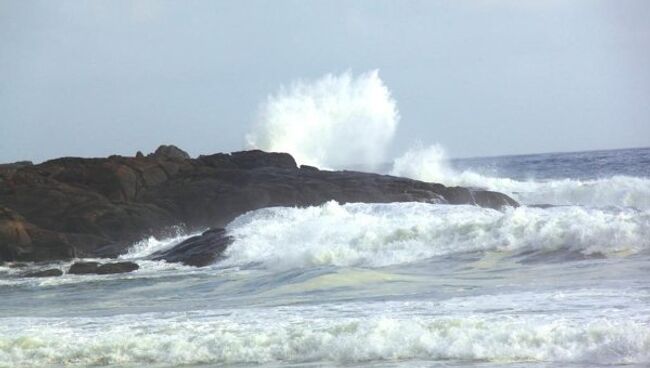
15 165
97 207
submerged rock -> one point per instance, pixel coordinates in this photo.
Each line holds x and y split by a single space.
52 272
197 251
97 207
119 267
82 268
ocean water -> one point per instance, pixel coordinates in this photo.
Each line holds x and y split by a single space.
378 285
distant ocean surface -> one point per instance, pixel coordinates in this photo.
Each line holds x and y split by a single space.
563 281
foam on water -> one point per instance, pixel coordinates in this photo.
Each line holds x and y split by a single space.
375 235
151 245
343 333
430 164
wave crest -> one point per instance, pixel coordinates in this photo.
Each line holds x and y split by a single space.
375 235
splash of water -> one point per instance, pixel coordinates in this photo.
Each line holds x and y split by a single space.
430 164
423 163
338 121
330 122
378 235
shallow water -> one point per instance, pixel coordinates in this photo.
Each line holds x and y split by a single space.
392 285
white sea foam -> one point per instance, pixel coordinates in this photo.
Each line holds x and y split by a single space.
329 122
430 164
387 234
325 333
152 244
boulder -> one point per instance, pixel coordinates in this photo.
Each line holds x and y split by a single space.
118 267
83 268
198 251
166 152
52 272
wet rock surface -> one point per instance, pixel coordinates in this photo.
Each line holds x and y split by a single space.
97 207
197 251
52 272
82 268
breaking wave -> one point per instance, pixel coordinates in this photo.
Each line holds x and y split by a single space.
301 334
375 235
430 164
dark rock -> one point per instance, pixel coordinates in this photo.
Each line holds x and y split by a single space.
308 168
118 267
139 154
165 152
16 165
87 208
256 158
52 272
82 268
197 251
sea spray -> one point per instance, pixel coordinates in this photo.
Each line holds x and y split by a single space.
431 164
330 122
345 120
424 163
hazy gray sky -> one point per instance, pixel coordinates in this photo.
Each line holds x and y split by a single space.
91 78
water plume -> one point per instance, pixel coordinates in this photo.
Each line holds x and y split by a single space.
331 122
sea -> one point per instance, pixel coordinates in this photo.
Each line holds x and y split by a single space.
561 281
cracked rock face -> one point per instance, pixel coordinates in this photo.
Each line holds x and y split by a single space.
91 207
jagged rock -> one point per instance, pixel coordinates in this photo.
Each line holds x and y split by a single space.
169 152
82 268
52 272
87 208
197 251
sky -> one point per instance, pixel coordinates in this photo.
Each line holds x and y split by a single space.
481 78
